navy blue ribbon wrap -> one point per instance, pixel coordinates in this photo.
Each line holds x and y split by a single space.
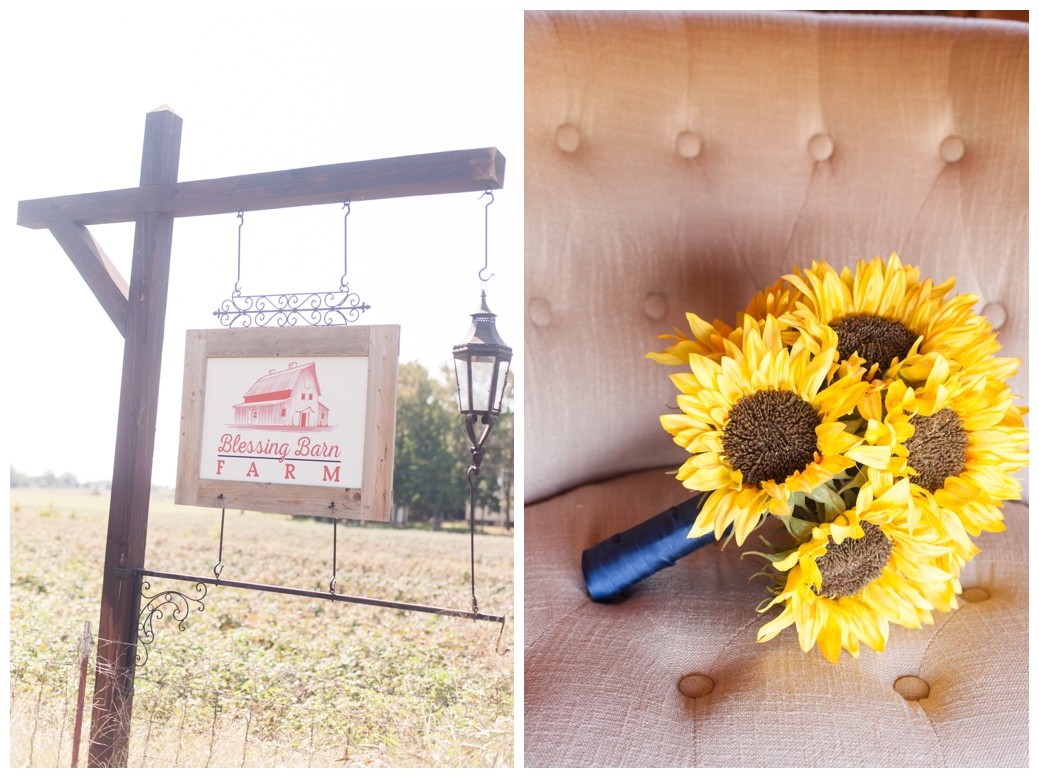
621 561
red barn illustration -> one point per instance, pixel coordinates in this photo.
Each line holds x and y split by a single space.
284 398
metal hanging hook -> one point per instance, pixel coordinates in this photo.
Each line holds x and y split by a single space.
486 209
346 216
219 566
497 646
238 278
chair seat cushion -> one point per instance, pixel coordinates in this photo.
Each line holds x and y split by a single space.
672 675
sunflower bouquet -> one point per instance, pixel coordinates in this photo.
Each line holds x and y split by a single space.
866 411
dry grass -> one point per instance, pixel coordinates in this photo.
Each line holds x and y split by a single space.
262 679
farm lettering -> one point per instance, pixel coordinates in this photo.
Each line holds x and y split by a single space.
327 473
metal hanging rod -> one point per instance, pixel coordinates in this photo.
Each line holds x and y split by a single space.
310 593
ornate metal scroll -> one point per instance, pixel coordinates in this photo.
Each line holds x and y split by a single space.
292 309
176 604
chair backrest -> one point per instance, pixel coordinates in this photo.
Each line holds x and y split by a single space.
681 161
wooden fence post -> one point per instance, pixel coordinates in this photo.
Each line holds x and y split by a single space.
84 659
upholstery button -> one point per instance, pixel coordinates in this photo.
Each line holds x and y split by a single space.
540 311
952 149
694 685
688 145
975 595
996 315
820 147
912 687
655 306
568 138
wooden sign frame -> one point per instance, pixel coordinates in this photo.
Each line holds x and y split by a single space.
267 444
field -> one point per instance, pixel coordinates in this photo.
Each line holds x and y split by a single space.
267 679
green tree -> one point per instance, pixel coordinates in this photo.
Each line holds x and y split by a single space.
495 488
431 457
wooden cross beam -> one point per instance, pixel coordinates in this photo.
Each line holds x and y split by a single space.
424 174
138 310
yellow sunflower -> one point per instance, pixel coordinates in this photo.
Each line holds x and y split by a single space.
891 318
708 338
967 443
762 425
959 439
862 572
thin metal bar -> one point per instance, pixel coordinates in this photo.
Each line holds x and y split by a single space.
346 241
474 473
238 280
319 595
335 543
218 568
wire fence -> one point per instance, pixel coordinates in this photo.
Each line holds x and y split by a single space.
182 717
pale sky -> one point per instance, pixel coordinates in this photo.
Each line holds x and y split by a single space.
261 86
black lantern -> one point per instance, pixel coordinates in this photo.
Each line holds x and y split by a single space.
482 371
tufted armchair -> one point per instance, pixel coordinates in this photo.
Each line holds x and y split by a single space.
679 162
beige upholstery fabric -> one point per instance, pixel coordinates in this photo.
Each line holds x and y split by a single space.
601 681
680 162
625 234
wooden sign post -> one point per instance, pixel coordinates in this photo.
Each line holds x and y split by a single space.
138 310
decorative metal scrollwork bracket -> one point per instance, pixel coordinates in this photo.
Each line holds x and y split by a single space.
171 602
291 309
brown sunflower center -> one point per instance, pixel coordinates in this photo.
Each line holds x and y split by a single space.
770 435
848 567
938 448
876 339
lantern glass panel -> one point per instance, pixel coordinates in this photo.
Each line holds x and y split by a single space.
503 380
483 372
462 379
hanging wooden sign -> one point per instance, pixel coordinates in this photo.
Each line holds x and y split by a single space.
291 420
